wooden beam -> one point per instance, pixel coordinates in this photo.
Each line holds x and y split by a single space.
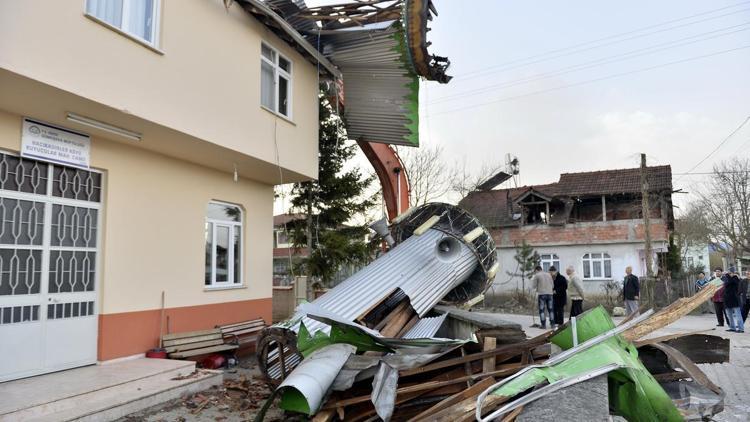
488 364
472 391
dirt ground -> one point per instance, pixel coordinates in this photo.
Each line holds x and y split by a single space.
240 398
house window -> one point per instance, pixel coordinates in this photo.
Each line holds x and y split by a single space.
275 81
137 18
597 266
690 261
549 260
223 245
282 239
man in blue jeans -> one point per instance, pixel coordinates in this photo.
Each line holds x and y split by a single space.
542 283
733 302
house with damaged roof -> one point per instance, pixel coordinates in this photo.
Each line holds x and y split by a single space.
590 220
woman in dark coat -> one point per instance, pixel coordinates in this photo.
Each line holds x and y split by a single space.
559 295
733 302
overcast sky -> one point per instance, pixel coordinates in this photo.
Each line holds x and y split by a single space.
588 85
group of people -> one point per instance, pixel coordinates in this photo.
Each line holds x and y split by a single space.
731 299
552 291
552 294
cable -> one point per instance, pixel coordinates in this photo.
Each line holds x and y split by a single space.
575 48
724 141
586 82
598 62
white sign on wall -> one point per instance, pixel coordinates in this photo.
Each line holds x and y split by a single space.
44 142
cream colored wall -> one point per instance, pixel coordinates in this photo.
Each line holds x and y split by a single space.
205 84
154 214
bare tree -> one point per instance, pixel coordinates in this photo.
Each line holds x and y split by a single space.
427 172
691 229
726 205
467 178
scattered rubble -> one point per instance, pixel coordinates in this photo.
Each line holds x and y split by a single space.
392 343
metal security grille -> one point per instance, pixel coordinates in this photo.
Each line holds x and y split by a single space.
49 231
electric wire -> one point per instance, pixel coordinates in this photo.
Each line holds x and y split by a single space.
599 62
575 48
721 144
590 81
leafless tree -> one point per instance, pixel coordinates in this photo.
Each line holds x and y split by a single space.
467 178
691 229
725 202
428 174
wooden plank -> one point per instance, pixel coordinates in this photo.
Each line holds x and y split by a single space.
260 321
468 370
243 331
501 353
395 325
432 385
472 391
188 340
510 417
409 325
191 334
190 346
403 304
375 305
466 409
488 364
204 351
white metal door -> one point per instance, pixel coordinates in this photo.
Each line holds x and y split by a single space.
49 236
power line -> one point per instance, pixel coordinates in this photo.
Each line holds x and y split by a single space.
724 141
599 62
575 48
590 81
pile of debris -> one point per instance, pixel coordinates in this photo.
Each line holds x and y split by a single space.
392 343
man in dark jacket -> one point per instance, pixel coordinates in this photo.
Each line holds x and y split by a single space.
559 295
631 290
743 288
733 302
718 298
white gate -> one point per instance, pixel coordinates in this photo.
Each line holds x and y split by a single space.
49 237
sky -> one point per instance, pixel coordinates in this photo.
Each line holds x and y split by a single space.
586 85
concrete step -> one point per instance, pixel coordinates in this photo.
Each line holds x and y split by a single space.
118 399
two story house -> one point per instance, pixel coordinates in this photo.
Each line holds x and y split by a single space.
591 220
140 143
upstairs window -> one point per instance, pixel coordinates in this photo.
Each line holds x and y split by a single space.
282 239
275 81
597 266
549 260
223 245
137 18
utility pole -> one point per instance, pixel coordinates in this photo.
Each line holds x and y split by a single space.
309 230
646 219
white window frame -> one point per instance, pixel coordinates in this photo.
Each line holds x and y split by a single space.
549 259
280 244
278 72
155 27
589 256
233 227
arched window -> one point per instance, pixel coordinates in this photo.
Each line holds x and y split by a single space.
548 260
223 245
597 266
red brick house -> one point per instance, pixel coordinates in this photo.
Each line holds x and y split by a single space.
591 220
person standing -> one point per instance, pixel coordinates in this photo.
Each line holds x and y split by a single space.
576 292
718 298
746 305
631 291
542 283
700 283
732 302
559 295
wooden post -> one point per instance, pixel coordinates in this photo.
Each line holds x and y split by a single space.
604 209
488 364
647 226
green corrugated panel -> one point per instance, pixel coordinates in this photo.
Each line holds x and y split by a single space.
412 98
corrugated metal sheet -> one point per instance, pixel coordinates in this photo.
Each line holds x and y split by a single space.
413 266
375 84
426 327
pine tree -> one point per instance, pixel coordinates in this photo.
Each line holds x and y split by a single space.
527 259
330 203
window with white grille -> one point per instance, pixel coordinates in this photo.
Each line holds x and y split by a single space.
549 260
223 235
597 266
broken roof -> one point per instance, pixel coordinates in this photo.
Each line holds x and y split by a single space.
494 208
